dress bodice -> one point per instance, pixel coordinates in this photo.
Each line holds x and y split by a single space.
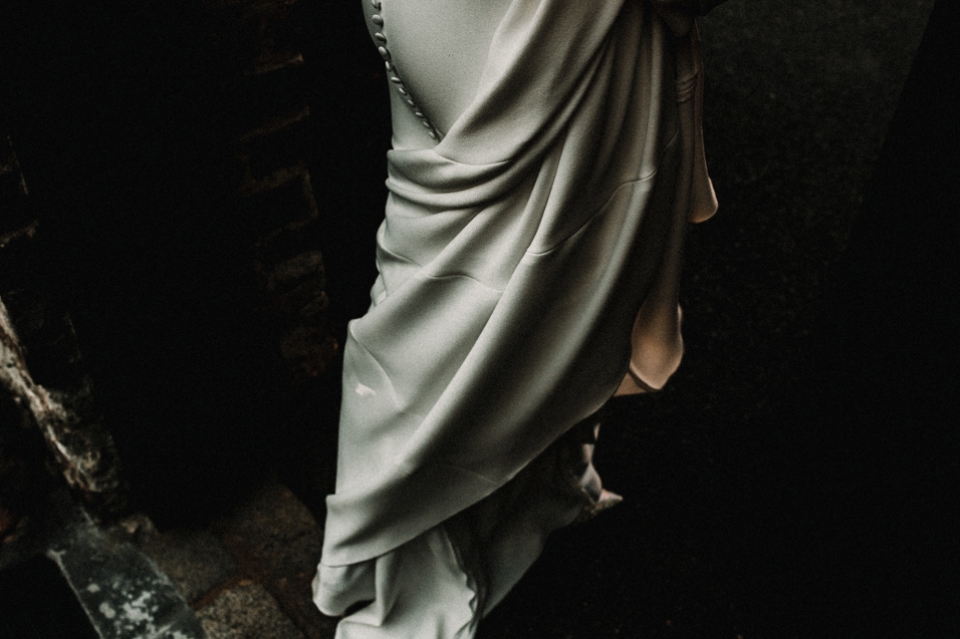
434 52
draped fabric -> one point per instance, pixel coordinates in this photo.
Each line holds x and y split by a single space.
528 270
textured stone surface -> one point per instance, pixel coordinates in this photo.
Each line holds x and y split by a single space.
42 367
295 596
163 148
195 561
246 612
121 590
277 530
82 447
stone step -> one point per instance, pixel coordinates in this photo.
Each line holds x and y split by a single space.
248 574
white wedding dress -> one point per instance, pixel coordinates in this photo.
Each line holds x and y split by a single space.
547 157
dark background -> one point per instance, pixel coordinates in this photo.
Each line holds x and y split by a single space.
796 478
799 476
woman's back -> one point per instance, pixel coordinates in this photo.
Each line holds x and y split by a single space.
545 163
437 50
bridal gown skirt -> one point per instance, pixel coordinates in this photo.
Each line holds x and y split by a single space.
546 160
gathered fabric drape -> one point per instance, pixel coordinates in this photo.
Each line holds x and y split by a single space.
529 263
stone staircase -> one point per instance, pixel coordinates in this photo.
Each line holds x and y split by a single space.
245 576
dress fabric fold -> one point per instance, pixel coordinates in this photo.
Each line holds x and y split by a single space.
528 270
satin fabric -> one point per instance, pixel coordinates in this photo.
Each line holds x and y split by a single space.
529 264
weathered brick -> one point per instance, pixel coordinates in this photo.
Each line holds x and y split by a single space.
270 209
270 148
246 612
286 242
194 560
276 530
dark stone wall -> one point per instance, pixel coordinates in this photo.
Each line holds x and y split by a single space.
45 389
165 144
348 95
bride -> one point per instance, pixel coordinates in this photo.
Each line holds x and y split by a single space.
546 159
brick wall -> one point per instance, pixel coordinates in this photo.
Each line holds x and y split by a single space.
178 237
44 389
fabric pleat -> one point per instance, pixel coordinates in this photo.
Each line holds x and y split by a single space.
529 265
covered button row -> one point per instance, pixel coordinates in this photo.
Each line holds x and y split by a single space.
381 40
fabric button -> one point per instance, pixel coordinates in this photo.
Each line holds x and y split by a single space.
381 39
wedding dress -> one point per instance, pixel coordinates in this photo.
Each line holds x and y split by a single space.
546 159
